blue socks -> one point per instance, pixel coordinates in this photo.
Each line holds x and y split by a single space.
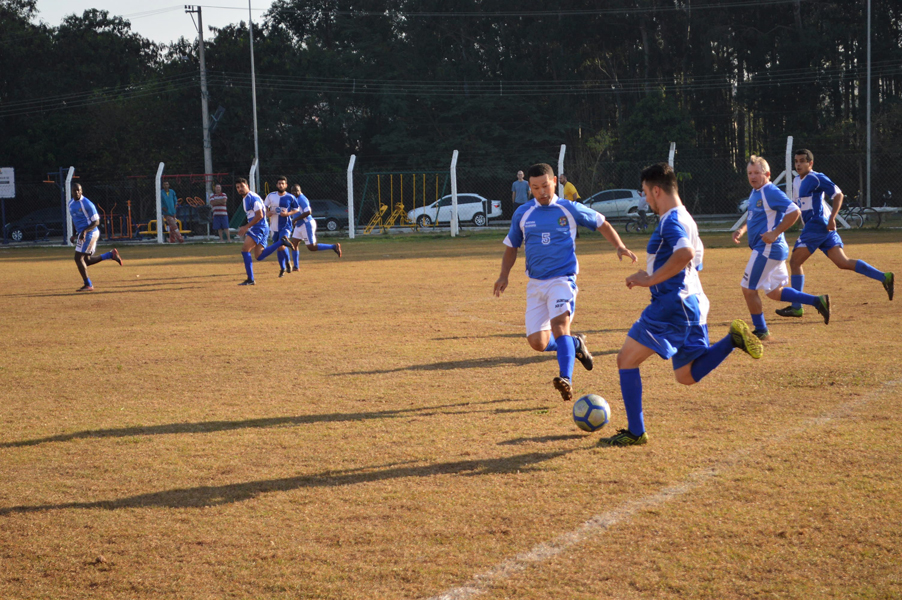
552 345
269 250
759 322
296 257
566 355
248 265
325 246
283 259
868 271
631 389
798 284
791 295
108 255
709 361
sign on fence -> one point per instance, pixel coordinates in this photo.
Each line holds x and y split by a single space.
7 182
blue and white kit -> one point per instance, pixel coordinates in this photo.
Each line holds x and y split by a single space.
675 323
548 235
304 229
766 268
278 224
259 232
84 214
810 193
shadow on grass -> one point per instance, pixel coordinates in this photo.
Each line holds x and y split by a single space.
542 439
213 426
204 496
104 292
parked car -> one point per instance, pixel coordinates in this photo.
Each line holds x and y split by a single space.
470 207
40 224
615 203
329 214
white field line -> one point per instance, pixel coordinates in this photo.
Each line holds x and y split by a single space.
482 582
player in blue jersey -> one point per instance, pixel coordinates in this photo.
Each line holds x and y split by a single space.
305 227
546 227
674 325
771 212
277 203
810 190
255 230
85 220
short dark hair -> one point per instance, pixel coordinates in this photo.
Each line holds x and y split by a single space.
540 169
661 175
240 180
282 178
806 152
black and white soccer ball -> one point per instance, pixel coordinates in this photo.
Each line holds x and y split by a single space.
591 412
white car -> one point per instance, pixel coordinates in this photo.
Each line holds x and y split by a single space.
615 203
470 207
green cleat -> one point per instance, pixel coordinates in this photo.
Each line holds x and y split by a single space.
889 284
745 340
789 311
823 307
623 437
761 334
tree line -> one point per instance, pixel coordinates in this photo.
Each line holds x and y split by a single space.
402 83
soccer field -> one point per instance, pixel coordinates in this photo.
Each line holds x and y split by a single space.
376 426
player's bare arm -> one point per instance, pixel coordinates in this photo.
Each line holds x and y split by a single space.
301 216
610 234
737 235
788 221
258 216
507 263
837 204
676 263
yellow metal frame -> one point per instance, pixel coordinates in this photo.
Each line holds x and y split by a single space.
152 228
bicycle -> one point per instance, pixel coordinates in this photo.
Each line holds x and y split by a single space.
639 221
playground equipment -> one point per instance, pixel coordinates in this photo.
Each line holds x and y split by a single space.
152 228
421 188
119 226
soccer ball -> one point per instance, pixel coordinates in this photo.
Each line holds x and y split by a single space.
591 412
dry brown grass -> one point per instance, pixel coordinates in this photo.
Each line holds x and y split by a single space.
377 427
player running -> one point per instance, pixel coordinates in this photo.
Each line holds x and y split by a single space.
546 227
85 220
771 212
819 232
255 230
277 204
305 227
674 325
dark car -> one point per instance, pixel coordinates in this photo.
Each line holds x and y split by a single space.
37 225
329 215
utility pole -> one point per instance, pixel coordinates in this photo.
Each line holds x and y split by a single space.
250 29
205 111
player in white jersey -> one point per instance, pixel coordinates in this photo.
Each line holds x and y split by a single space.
546 228
810 190
771 213
674 325
277 203
305 226
85 220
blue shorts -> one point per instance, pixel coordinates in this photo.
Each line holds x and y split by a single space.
681 344
816 240
284 232
220 222
258 235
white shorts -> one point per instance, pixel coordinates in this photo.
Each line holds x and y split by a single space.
547 299
765 274
87 243
305 231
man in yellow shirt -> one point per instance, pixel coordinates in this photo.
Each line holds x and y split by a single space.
570 192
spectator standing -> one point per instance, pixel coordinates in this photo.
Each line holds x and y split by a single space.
219 204
519 191
168 200
570 192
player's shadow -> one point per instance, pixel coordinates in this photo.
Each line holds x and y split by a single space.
214 426
470 363
104 291
542 439
204 496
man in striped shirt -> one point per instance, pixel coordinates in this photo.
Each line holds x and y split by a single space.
219 204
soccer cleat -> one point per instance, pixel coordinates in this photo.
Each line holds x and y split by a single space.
85 288
745 340
247 282
789 311
285 241
624 438
281 272
288 268
582 352
889 284
823 307
562 384
761 334
337 249
115 256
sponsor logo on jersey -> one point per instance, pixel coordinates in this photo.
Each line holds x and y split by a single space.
562 221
